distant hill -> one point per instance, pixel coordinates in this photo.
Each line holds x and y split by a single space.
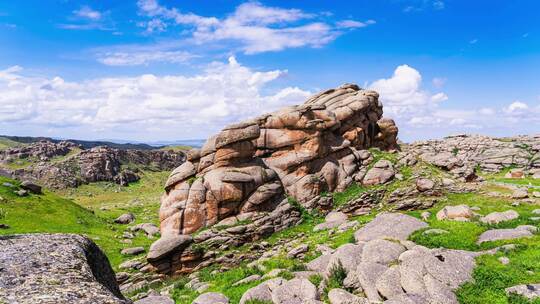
86 144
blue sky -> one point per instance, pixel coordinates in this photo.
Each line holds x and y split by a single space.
166 70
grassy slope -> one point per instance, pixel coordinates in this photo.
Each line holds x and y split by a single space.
8 143
80 212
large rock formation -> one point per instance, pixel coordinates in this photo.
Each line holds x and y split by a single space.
55 268
299 151
66 164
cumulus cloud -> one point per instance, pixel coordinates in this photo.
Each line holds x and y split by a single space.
402 93
176 106
252 27
87 18
415 109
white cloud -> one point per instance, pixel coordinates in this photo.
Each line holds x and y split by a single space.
143 57
88 13
474 41
402 94
354 23
252 27
175 106
516 107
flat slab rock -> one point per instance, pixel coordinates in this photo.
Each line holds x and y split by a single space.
529 291
389 225
507 234
55 268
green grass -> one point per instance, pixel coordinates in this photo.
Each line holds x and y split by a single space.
51 213
110 200
352 192
6 143
490 276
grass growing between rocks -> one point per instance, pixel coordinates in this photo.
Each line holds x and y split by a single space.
491 277
51 213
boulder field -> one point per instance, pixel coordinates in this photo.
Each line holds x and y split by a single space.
248 169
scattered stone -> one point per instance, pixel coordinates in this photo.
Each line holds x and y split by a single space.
4 226
435 232
348 225
332 220
131 264
456 213
425 215
381 173
166 246
536 194
499 217
9 185
507 234
340 296
504 260
447 182
126 218
132 251
251 278
155 300
295 291
424 184
148 228
529 291
32 187
295 252
263 291
515 173
211 298
520 193
389 225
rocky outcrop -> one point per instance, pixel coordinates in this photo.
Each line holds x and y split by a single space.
65 164
462 154
299 151
35 266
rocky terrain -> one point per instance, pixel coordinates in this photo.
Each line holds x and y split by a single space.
66 164
315 203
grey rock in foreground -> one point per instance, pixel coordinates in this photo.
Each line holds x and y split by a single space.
507 234
389 225
55 268
529 291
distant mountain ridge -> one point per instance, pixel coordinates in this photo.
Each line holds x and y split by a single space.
88 144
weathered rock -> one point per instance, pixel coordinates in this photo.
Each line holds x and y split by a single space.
295 291
211 298
132 251
126 218
32 187
424 184
298 250
332 220
456 213
168 245
340 296
395 226
382 172
498 217
155 300
529 291
263 291
57 268
507 234
520 193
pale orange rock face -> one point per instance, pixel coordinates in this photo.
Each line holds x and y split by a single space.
298 151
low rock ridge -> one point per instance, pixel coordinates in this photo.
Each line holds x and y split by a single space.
55 268
462 154
248 169
66 164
